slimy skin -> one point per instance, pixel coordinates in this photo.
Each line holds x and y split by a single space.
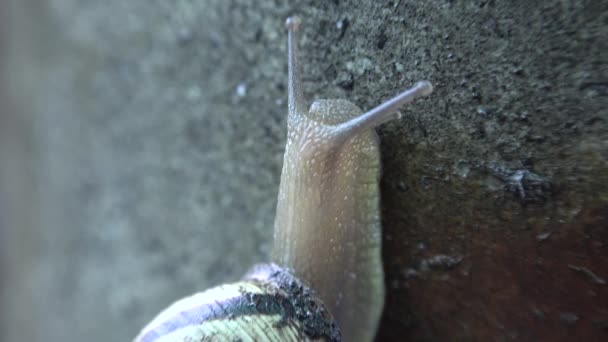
327 225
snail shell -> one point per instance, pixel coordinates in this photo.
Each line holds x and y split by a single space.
329 282
269 304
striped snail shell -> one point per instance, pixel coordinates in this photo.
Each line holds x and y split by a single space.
269 304
326 281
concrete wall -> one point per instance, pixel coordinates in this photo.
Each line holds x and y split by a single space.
142 145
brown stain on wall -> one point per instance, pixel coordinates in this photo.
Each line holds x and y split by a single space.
510 284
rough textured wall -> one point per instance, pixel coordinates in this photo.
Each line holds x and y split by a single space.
150 141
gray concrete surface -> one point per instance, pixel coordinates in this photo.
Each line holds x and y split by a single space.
144 139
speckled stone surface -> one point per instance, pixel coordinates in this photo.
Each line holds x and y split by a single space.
146 155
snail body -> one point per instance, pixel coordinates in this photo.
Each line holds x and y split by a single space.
327 235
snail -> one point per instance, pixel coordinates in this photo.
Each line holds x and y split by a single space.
325 281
